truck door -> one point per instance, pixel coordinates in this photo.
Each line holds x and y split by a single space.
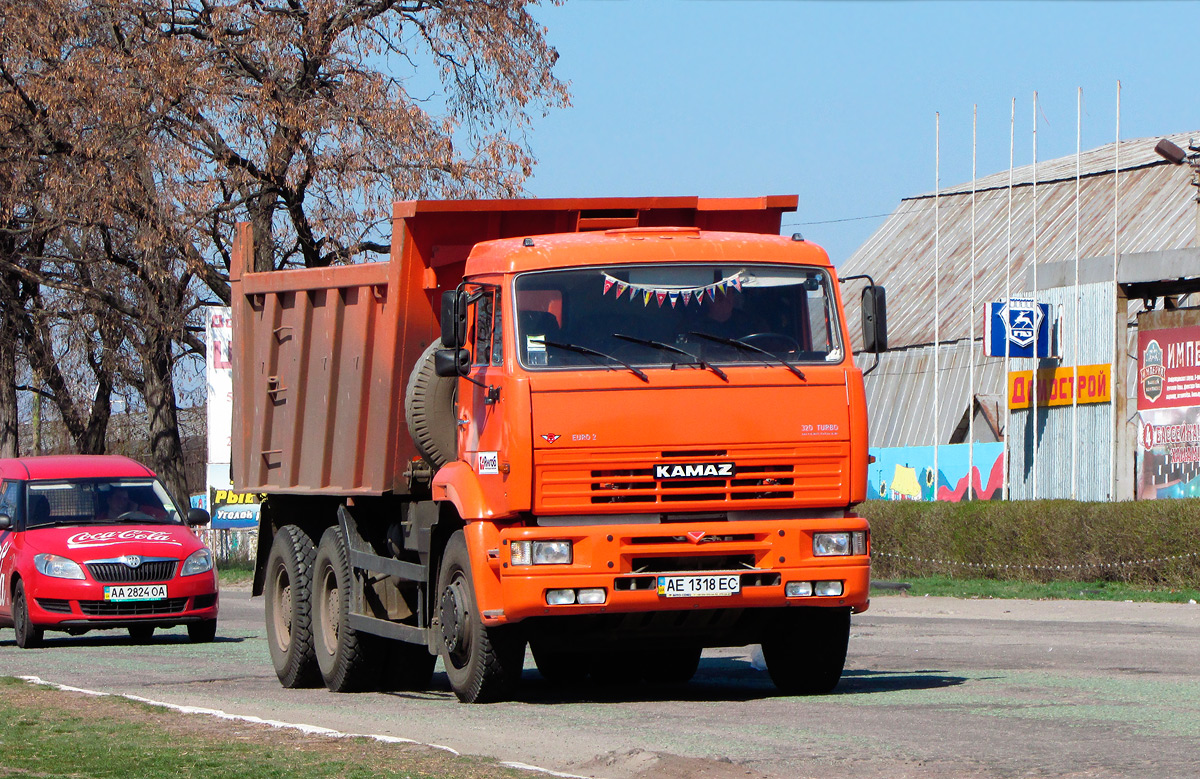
483 438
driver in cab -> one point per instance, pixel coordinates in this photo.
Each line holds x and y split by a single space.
120 504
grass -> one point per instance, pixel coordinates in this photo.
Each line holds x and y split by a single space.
52 733
235 573
1062 590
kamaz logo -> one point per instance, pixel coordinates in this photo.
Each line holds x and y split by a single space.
694 471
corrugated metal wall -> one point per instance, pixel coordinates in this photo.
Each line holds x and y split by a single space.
1057 429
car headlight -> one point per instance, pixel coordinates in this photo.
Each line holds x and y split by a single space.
541 552
58 567
197 562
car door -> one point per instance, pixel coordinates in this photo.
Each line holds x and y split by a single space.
10 504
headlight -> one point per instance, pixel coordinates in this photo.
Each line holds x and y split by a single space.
541 552
838 544
58 567
197 562
831 544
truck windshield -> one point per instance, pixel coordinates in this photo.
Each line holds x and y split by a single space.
99 501
664 315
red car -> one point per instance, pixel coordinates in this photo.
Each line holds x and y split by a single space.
94 541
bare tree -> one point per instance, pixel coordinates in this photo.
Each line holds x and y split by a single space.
152 126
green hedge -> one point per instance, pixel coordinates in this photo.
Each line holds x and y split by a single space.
1154 542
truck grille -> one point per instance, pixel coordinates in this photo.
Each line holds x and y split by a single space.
120 573
764 476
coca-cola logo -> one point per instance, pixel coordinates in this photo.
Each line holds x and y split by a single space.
110 537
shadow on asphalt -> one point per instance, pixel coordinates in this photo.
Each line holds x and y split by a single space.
65 640
718 679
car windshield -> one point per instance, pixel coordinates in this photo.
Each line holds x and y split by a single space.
661 315
99 501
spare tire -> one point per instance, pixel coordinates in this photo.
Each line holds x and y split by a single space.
429 405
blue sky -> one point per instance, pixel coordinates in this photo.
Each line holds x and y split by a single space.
835 102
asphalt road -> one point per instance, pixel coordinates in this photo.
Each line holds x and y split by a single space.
934 687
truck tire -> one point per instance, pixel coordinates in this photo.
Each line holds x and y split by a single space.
558 667
29 636
483 664
288 591
807 653
429 409
406 666
349 662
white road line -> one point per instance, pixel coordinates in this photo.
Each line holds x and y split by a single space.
306 729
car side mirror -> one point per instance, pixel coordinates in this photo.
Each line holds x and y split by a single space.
451 362
874 319
197 517
454 319
5 522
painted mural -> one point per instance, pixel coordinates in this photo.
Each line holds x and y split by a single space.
906 473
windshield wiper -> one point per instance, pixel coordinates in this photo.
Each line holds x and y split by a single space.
752 348
693 359
594 353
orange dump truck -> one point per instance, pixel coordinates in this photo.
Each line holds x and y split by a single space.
614 431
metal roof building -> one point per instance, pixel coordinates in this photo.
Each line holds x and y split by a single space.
1150 214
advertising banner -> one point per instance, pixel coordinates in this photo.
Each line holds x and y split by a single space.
229 509
1019 323
1168 453
1056 388
1168 368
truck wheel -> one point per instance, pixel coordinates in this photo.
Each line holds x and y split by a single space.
807 654
347 660
288 607
29 636
483 664
429 410
407 666
560 667
672 666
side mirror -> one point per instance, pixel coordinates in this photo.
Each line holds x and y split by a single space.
451 362
197 517
454 319
874 319
5 522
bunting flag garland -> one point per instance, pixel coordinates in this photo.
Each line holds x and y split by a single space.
673 294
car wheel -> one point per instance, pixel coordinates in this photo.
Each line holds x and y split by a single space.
141 633
202 632
483 664
288 608
806 654
29 636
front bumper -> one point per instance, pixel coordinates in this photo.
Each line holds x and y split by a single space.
626 561
77 605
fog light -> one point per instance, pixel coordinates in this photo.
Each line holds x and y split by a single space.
829 588
798 589
593 596
551 552
858 540
831 544
560 597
